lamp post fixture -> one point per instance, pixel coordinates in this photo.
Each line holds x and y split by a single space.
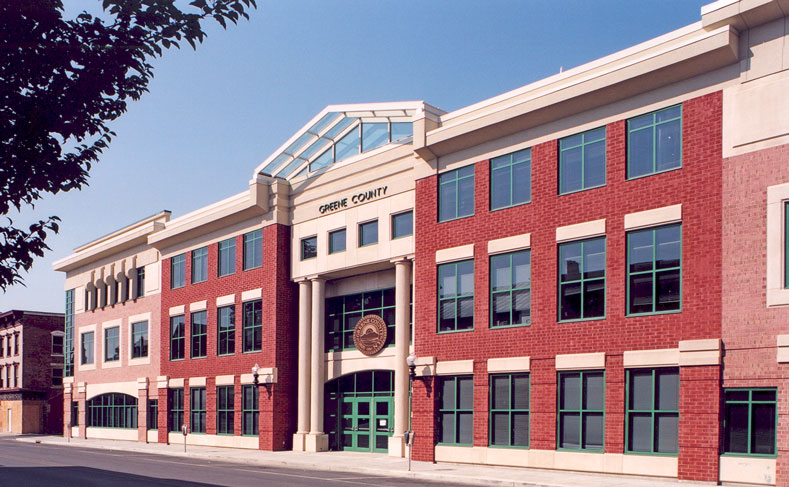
409 435
255 375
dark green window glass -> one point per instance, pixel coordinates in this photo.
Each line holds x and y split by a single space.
253 249
227 257
249 413
224 410
74 412
510 179
582 161
654 142
456 410
402 224
153 414
177 337
337 241
581 410
509 410
343 312
456 296
582 279
786 245
199 330
510 289
68 340
253 326
86 357
199 265
139 332
175 413
309 248
178 271
654 266
368 233
226 330
652 423
197 409
749 422
140 282
456 194
112 342
112 410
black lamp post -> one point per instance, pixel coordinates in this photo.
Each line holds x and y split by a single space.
409 435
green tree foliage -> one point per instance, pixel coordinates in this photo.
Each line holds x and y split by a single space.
61 82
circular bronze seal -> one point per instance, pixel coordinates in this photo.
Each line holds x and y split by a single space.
369 335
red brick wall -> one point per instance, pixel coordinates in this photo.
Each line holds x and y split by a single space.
279 332
697 186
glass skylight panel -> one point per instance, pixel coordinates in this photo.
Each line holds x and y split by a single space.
290 168
401 130
322 161
337 129
280 159
324 122
374 135
298 144
314 148
348 146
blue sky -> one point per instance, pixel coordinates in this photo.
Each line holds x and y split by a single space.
214 114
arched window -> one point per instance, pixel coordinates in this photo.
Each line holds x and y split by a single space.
112 410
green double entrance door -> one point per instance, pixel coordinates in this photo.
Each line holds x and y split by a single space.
366 423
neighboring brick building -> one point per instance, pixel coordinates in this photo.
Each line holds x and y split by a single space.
590 272
31 372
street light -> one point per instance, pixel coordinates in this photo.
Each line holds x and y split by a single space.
409 435
255 376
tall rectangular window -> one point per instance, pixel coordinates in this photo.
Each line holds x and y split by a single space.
249 411
309 248
654 266
140 291
749 422
197 409
582 279
153 414
74 413
178 271
337 241
510 289
253 326
57 376
456 410
177 337
652 424
227 257
199 334
581 410
786 245
510 179
199 265
582 161
226 330
456 296
224 410
253 249
175 413
456 193
509 410
139 332
112 341
402 224
368 233
57 344
86 355
654 142
68 339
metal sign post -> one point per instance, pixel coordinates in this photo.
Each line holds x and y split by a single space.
185 431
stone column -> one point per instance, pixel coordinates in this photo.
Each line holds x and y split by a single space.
83 410
305 336
142 409
67 419
317 440
402 339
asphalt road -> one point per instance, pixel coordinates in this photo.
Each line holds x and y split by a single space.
36 465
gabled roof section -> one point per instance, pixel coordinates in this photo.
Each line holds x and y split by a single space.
329 137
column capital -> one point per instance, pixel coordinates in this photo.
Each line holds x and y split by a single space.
316 278
403 259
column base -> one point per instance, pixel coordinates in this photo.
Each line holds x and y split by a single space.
299 441
316 442
396 446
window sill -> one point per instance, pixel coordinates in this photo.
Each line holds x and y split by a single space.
582 189
578 320
468 445
749 455
402 236
444 332
506 327
367 245
652 454
253 351
253 268
225 354
508 447
653 313
632 178
337 252
582 450
455 219
514 205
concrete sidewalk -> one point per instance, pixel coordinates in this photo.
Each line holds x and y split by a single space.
374 464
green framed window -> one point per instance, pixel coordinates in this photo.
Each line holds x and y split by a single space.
177 337
199 265
250 412
652 423
139 337
199 331
786 245
153 414
224 410
112 410
654 142
456 296
309 248
654 269
140 291
456 194
581 419
227 257
86 357
178 271
343 312
253 249
74 412
582 161
68 341
402 224
456 410
510 179
368 233
197 409
112 344
510 289
749 422
582 279
509 410
253 326
226 330
175 413
337 241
